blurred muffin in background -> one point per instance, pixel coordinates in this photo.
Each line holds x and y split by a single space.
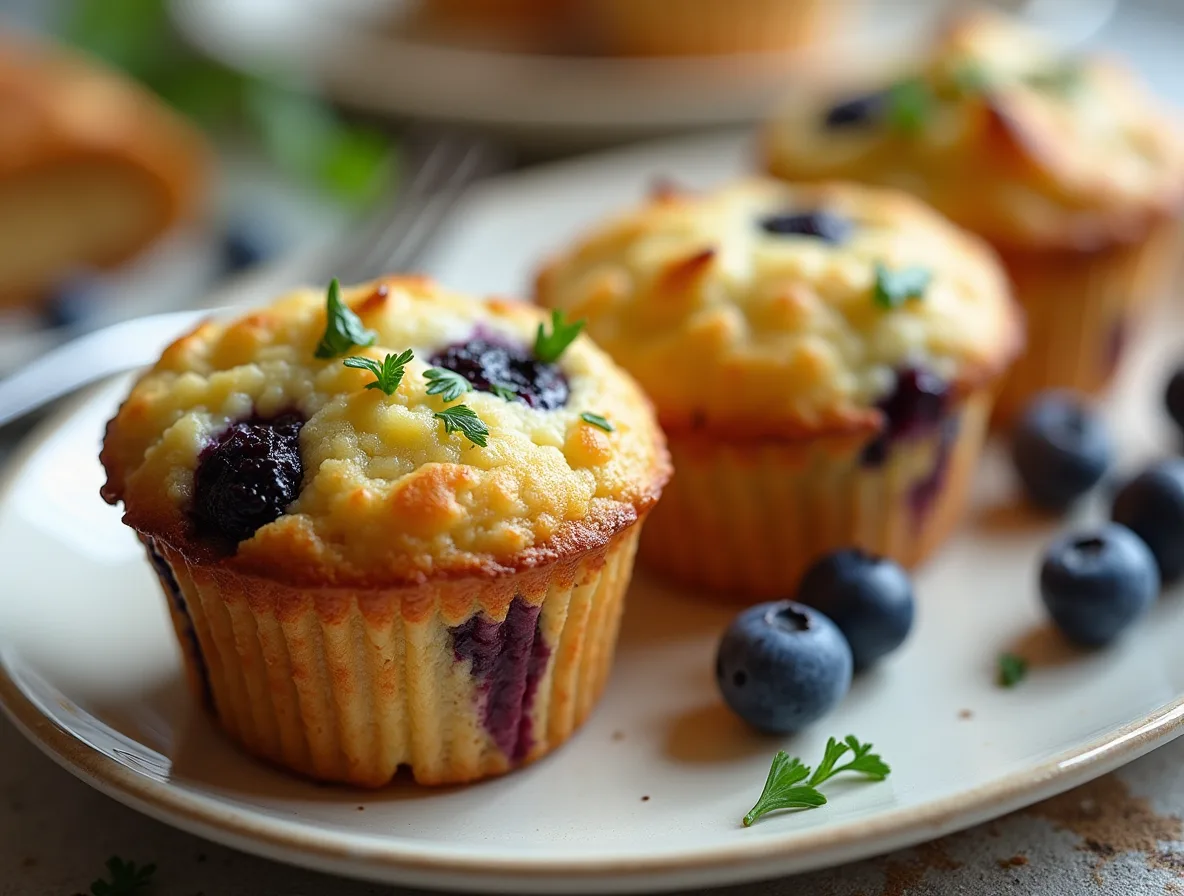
712 27
93 168
1063 162
520 25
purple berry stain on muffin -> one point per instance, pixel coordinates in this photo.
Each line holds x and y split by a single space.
188 632
924 492
248 476
821 224
916 406
490 364
508 659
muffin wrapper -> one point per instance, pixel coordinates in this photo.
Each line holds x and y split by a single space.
457 680
1082 309
749 520
706 27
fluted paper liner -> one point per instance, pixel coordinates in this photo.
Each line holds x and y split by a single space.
748 520
348 686
1082 309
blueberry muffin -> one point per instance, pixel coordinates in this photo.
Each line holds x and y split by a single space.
1063 162
712 27
395 525
822 359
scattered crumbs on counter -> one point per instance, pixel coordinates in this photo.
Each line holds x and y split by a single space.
1111 822
965 714
645 799
1014 862
618 735
904 876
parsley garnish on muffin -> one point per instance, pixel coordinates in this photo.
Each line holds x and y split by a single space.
549 346
464 420
597 421
448 384
894 288
343 329
388 374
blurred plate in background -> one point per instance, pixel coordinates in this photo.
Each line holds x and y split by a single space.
357 49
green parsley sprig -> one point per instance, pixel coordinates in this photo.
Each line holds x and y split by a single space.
388 374
1012 670
597 421
791 785
894 288
504 392
127 878
343 328
549 346
464 420
448 384
910 106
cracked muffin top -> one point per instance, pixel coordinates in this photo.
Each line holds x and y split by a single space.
381 435
767 310
1005 133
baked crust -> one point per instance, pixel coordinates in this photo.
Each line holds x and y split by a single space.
1025 162
62 115
741 335
388 498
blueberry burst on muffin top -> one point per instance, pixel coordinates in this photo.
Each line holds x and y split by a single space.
437 431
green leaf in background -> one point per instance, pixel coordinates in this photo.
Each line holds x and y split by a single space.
303 135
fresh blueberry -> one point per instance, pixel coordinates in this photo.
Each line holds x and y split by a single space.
869 598
1097 583
782 666
486 361
1174 398
1152 506
858 110
1061 449
244 245
826 226
72 302
248 476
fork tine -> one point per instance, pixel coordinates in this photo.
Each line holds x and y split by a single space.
402 227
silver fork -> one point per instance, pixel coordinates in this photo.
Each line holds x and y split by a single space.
442 166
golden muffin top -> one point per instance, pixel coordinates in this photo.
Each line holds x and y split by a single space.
1005 133
768 310
464 437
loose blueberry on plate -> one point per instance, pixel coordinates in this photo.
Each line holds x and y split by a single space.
1061 449
248 476
1152 506
824 225
1096 583
869 598
782 666
1174 398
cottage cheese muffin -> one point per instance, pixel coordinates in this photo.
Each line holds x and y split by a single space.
822 359
395 525
1063 162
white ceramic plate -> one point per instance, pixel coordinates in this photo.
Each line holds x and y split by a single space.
88 668
352 48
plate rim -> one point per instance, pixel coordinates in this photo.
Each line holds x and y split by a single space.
407 863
